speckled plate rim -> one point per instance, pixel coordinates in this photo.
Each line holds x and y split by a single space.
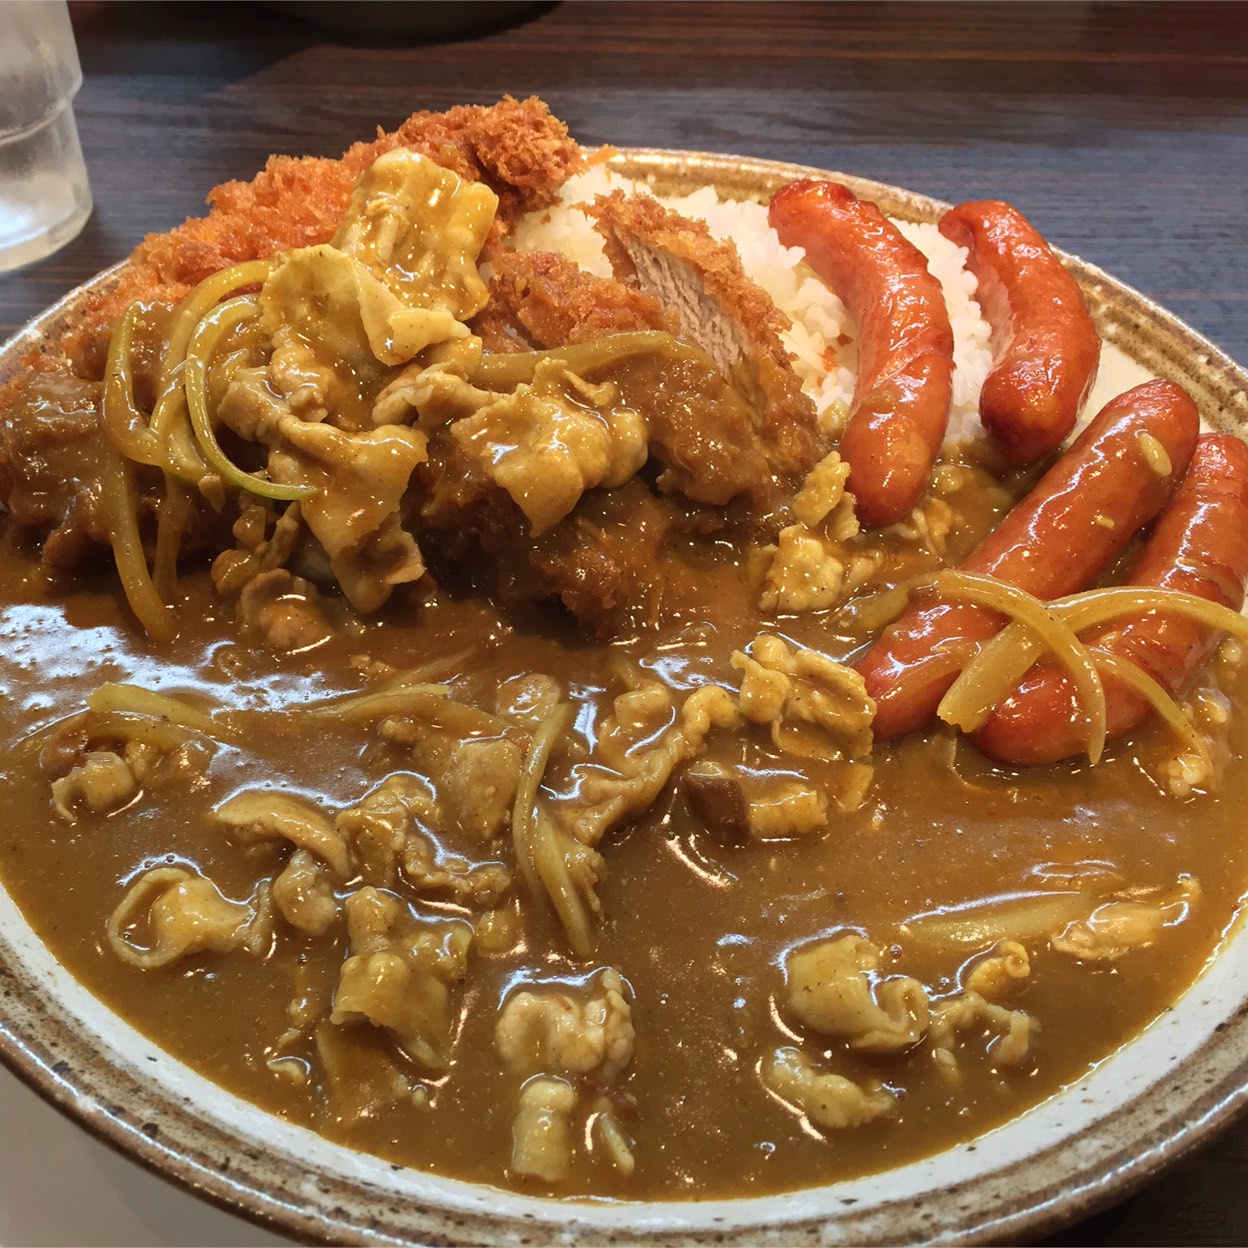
1138 1110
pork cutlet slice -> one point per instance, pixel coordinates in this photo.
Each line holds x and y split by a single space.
540 299
735 321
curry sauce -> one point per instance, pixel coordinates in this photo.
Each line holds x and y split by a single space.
464 755
699 928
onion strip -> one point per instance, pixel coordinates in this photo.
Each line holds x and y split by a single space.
135 700
524 808
454 664
122 503
207 295
358 708
171 519
552 865
428 702
1020 916
127 438
1096 606
204 341
157 731
124 425
1154 693
1003 662
991 676
1016 603
540 855
169 417
515 368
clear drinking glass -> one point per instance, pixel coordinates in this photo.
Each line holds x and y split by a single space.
44 197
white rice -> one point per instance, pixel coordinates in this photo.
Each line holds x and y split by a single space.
819 322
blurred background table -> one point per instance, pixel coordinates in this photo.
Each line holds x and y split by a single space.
1122 129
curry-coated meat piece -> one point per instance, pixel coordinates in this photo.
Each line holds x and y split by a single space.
560 1044
50 466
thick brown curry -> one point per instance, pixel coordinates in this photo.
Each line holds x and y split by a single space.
699 928
567 865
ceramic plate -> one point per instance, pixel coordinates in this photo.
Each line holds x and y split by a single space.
1142 1107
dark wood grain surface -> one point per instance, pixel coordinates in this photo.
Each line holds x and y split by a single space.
1121 129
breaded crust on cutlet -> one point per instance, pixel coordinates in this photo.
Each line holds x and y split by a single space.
719 307
517 148
542 299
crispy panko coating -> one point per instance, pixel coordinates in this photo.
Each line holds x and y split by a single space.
517 148
542 299
720 308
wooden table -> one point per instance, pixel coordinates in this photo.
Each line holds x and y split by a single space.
1121 128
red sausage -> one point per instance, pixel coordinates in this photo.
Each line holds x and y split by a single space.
1198 545
1055 541
905 342
1046 344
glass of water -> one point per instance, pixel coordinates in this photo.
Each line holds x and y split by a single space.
44 197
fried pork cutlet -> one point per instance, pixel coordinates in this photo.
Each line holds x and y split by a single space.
517 148
542 299
611 563
721 309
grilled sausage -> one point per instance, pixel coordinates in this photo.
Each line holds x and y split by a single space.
905 343
1046 345
1055 541
1197 546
